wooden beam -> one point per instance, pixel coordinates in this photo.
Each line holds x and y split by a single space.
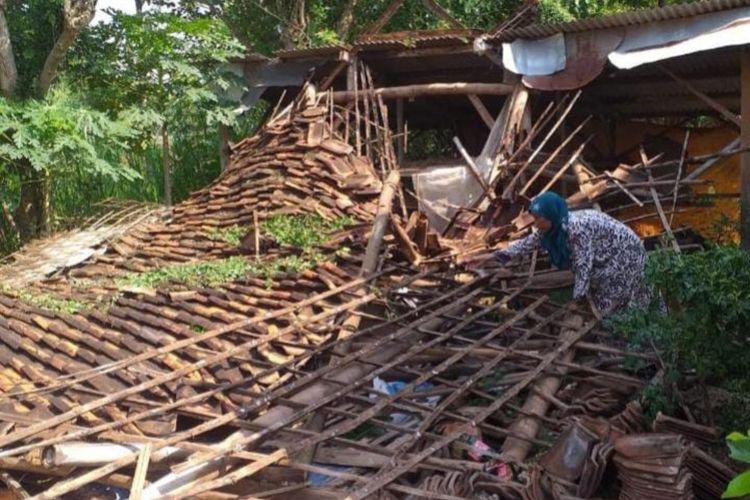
723 111
141 469
473 168
657 204
713 160
443 14
482 110
745 142
430 89
400 133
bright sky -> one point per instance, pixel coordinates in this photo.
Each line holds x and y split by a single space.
123 5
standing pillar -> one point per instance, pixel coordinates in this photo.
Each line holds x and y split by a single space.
745 140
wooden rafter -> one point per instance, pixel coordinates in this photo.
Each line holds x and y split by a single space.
722 110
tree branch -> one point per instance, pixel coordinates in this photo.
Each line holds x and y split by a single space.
346 21
8 71
78 14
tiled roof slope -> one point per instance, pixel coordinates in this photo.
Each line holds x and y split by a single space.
295 165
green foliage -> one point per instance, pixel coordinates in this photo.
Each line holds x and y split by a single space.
159 61
739 448
705 332
303 231
46 301
709 303
231 235
175 68
429 144
61 134
217 272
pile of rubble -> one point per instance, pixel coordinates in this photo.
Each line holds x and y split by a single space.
387 371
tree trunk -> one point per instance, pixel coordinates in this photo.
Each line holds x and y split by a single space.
166 166
8 71
32 213
139 6
294 29
78 14
224 146
346 21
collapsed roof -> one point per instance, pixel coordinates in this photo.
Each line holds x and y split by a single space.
193 353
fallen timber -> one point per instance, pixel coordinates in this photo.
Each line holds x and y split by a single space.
427 379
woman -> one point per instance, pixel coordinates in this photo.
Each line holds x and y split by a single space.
607 258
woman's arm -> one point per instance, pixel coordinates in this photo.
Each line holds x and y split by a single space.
521 247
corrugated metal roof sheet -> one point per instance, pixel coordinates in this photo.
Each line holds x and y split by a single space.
638 17
416 38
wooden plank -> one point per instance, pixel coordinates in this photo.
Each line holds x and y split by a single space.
662 215
712 160
473 168
720 108
141 468
745 158
482 110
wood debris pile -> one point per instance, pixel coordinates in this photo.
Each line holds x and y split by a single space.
389 373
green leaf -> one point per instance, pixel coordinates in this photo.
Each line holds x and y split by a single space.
738 487
739 446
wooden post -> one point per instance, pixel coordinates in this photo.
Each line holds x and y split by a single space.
369 263
401 139
745 142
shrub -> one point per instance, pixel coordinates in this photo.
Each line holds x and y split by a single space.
706 330
739 449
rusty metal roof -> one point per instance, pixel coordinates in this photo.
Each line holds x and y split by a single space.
633 18
417 39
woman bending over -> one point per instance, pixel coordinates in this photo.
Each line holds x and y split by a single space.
607 258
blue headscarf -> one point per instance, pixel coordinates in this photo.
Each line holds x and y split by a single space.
553 208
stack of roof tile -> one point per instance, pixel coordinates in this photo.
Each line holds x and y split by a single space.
653 466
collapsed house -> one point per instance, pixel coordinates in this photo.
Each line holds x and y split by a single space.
190 353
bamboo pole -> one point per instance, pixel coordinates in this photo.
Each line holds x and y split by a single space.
141 469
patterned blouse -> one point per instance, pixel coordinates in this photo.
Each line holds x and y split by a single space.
607 260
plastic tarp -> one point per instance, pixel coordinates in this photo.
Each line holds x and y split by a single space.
535 57
444 191
647 44
586 52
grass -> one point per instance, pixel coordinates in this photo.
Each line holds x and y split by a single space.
218 272
303 231
46 301
231 235
299 231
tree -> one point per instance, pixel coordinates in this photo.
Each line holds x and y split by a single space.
171 64
23 39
